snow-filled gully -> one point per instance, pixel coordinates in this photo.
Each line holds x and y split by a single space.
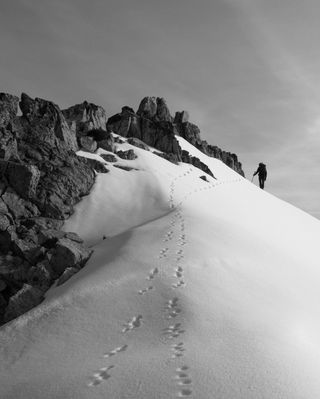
175 240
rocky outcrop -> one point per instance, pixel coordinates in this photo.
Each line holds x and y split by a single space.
41 179
154 108
191 133
84 117
187 158
42 122
169 157
153 125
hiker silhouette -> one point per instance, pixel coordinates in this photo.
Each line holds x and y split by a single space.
262 173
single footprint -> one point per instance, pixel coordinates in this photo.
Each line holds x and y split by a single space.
180 283
163 253
135 322
152 274
184 392
100 376
182 368
115 351
145 290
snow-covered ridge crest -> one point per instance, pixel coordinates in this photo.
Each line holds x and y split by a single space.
195 289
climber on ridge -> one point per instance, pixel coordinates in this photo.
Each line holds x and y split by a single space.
262 173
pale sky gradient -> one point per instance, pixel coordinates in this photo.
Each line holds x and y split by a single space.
248 71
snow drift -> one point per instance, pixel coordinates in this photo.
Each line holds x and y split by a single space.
195 289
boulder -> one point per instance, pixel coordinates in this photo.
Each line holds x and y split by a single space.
41 275
187 158
98 166
22 178
125 167
43 122
73 237
137 143
204 178
49 237
68 253
25 299
108 157
88 144
129 155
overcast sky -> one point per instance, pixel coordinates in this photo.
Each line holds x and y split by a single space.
248 71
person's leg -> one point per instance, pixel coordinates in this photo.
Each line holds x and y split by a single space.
260 182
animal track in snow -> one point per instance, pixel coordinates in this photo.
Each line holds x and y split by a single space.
145 290
183 379
173 331
153 273
184 392
178 350
163 253
179 284
178 274
132 324
115 351
168 236
172 308
100 376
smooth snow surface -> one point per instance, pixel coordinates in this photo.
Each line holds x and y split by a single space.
200 290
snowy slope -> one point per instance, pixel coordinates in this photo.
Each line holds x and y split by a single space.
200 290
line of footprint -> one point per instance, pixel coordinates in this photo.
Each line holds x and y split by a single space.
172 308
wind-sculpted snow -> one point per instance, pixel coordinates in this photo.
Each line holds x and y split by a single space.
197 289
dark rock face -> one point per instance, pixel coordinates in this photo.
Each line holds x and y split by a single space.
41 179
153 125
